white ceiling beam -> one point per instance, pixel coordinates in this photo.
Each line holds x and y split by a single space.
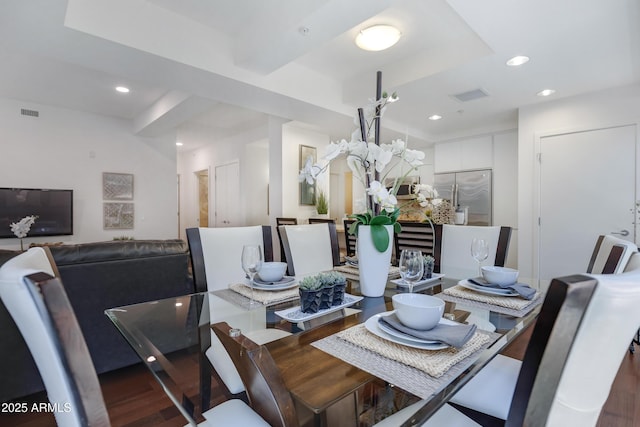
270 48
169 112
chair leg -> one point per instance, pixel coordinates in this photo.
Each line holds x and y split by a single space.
636 340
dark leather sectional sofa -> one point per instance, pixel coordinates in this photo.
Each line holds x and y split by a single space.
97 276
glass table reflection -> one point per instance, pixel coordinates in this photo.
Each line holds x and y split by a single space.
171 336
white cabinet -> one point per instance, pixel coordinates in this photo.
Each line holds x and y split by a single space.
467 154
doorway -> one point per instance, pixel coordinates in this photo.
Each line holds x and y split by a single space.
227 195
587 188
203 197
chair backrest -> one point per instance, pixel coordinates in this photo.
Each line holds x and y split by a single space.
610 255
263 382
40 308
216 253
322 221
310 248
455 248
561 382
349 239
279 222
415 235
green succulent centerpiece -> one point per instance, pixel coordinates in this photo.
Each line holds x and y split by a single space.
372 164
321 291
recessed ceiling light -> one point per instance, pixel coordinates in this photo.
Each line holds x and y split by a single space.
434 117
122 89
517 60
546 92
378 37
179 144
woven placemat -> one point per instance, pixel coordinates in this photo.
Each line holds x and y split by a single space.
512 306
409 378
265 297
352 272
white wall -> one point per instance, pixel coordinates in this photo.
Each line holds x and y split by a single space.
618 106
70 149
249 149
294 135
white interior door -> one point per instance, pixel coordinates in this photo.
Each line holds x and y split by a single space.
587 188
227 195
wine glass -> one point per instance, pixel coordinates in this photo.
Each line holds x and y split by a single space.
251 264
479 251
411 267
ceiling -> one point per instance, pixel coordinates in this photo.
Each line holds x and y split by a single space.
229 65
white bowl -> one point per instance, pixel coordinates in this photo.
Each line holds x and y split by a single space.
272 271
418 311
502 276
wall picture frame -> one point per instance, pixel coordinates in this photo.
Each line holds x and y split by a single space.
117 186
118 216
307 195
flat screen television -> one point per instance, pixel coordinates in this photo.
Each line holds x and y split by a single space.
54 209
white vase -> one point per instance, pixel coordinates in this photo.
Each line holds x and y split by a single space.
373 266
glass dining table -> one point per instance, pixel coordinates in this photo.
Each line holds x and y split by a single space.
323 376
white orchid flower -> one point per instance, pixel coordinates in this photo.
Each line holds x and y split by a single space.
22 227
398 146
413 157
309 171
379 155
382 196
335 149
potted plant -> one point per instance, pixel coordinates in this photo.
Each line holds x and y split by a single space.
337 282
429 262
322 204
372 163
309 289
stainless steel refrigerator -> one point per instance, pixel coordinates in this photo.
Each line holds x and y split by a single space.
470 189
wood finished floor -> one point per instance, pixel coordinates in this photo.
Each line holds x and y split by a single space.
135 399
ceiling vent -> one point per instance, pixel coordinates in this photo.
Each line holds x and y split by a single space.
32 113
471 95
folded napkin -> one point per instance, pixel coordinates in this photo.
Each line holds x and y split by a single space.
453 335
525 291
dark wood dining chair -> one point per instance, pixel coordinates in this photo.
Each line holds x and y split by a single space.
322 221
415 235
267 393
349 239
38 304
283 221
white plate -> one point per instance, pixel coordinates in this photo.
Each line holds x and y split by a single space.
281 287
372 326
434 278
294 314
285 280
489 291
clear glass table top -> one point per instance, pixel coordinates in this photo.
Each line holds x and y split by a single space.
171 337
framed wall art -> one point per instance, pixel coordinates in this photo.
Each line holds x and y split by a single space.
118 216
117 186
307 191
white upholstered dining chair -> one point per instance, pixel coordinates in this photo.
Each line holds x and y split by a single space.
610 255
216 261
455 248
310 248
609 324
40 308
559 382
